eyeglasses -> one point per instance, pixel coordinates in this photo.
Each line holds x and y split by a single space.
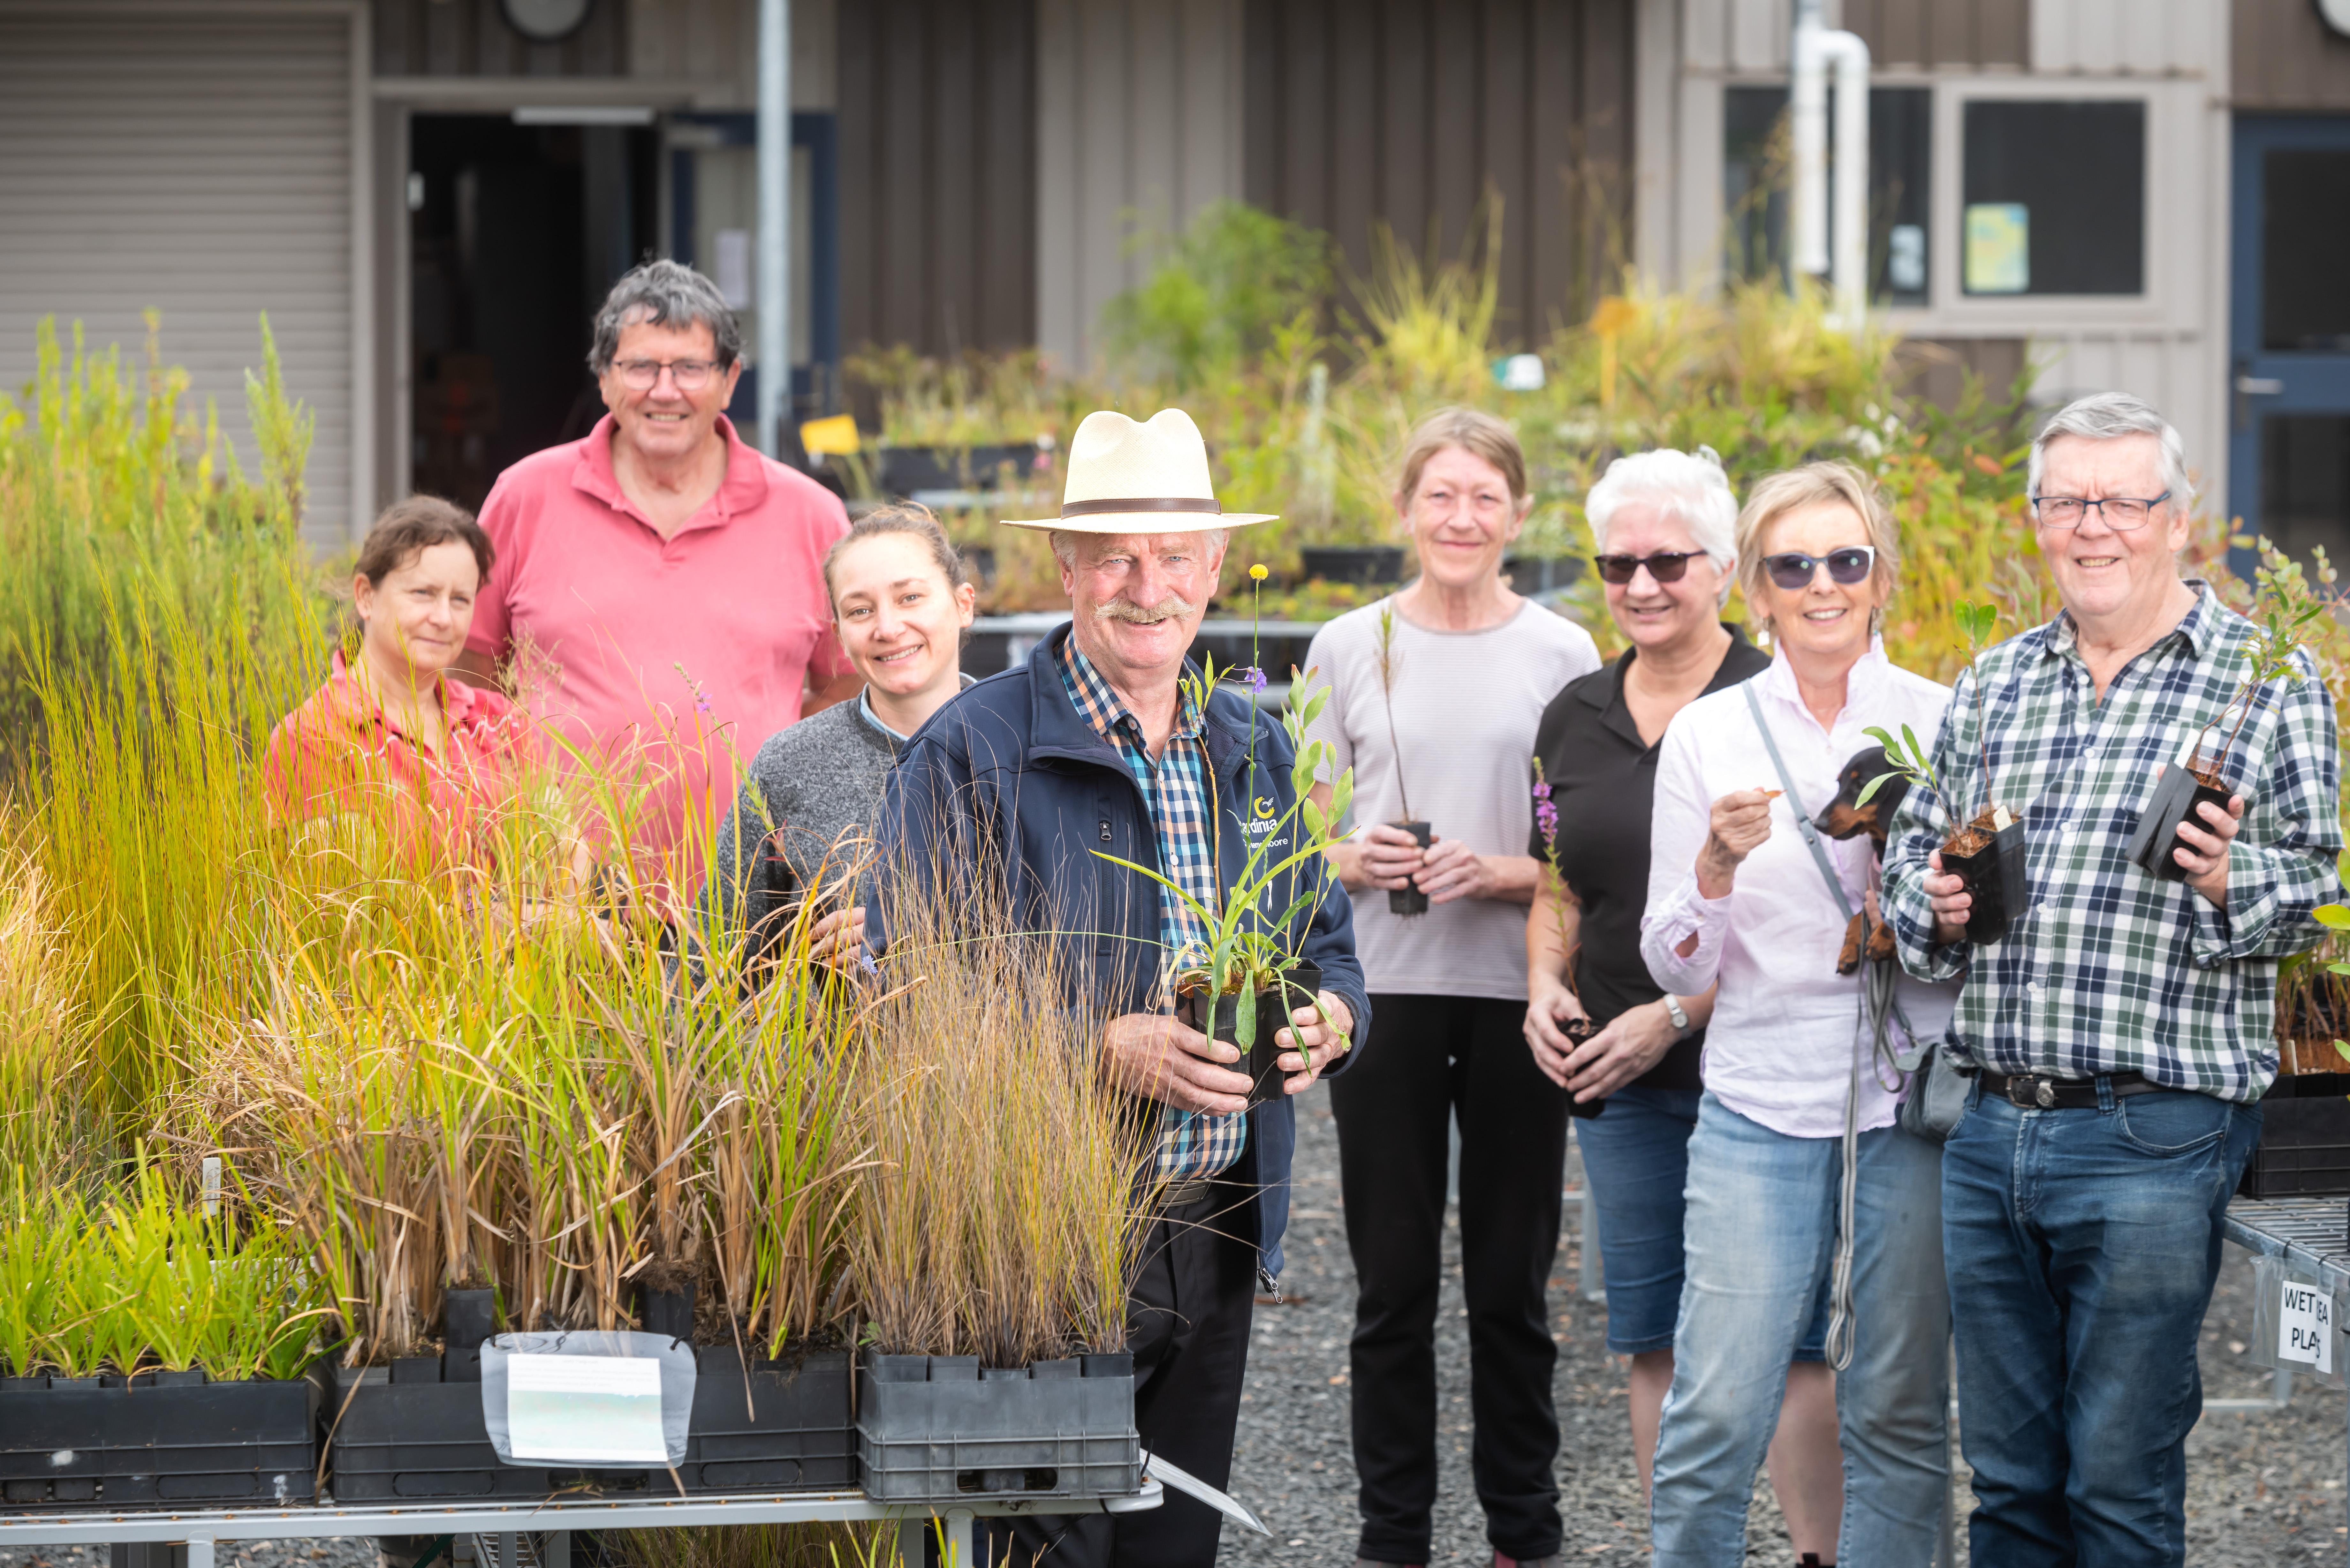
1792 569
1665 566
644 375
2121 512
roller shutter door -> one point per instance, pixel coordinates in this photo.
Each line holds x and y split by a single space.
199 166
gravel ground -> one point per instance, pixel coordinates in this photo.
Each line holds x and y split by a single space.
2263 1489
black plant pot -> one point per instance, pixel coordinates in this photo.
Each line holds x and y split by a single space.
467 1318
1368 564
1261 1061
1994 878
167 1438
1580 1030
668 1312
2176 795
1411 901
938 1428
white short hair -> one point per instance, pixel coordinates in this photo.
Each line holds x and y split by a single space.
1690 487
2108 416
1064 542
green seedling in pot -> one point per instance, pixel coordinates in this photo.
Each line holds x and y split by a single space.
1246 948
1906 759
2288 612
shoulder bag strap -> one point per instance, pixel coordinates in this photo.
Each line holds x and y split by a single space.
1795 802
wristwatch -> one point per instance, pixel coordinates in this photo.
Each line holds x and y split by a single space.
1679 1015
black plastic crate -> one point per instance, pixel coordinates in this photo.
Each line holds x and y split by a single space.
934 1428
405 1434
162 1439
2305 1148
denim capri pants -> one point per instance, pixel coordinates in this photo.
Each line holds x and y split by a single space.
1636 1157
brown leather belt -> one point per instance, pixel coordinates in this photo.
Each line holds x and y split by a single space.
2035 1092
1183 1194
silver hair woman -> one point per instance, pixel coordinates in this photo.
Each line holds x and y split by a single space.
1664 525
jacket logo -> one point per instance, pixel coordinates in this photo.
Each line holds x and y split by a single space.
1262 805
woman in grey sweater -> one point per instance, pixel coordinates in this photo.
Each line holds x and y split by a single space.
900 602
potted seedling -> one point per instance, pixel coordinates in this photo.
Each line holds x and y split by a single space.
1987 854
2183 789
1580 1028
1406 900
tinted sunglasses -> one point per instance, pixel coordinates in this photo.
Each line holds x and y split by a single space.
1665 566
1792 569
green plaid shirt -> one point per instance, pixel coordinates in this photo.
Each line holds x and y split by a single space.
1191 1143
2109 970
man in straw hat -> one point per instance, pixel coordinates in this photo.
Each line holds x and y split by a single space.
1097 744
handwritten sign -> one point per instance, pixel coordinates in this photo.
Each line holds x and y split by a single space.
2305 1325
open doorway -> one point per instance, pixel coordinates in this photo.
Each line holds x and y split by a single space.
516 231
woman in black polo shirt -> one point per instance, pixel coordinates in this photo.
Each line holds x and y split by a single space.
1664 525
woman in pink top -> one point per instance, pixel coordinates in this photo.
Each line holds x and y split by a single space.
390 734
1736 896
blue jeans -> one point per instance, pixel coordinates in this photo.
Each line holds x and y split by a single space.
1635 1157
2087 1242
1760 1240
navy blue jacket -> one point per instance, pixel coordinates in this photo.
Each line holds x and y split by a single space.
1009 774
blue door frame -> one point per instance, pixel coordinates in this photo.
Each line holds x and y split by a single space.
2261 382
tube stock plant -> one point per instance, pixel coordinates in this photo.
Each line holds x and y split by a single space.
1987 854
1389 663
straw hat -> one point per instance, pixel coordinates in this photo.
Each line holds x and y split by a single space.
1130 478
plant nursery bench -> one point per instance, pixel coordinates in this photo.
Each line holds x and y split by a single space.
500 1527
2302 1249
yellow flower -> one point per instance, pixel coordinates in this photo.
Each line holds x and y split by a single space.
1258 572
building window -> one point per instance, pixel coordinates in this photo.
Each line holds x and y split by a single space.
2054 196
1756 170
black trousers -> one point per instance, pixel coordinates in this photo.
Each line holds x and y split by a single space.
1188 1325
1439 1056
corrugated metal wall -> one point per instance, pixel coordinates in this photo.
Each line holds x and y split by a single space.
2284 57
472 38
938 173
199 166
1926 32
1139 106
1403 111
2124 38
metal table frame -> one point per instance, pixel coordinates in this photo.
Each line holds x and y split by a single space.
2308 1233
199 1530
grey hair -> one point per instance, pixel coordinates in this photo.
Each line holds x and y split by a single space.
1064 542
665 294
1692 487
2108 416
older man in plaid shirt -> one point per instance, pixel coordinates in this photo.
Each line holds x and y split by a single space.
2121 1026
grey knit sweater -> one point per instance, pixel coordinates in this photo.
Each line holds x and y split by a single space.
800 817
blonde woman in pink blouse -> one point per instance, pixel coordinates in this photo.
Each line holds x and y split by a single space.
1736 897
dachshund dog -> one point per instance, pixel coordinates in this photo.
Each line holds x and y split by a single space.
1844 817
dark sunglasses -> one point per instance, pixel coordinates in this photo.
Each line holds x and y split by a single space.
1792 569
1665 566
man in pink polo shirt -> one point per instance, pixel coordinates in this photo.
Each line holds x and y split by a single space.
658 594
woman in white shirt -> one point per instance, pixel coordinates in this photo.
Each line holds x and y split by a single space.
1736 896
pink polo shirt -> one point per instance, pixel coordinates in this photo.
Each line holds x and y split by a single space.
669 658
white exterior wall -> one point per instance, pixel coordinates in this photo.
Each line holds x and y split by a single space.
1138 122
207 165
2168 346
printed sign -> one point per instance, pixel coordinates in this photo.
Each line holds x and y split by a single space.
585 1410
2305 1325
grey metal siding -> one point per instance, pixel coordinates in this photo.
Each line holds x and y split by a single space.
2283 57
1943 32
473 38
938 174
199 167
1404 112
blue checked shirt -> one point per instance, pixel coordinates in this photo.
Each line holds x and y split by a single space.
1191 1143
2110 969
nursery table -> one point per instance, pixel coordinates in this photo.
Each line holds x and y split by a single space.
2310 1233
500 1525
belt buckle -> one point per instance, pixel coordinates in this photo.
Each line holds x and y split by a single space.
2043 1092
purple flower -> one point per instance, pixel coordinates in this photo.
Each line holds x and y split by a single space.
1541 790
1253 677
1546 818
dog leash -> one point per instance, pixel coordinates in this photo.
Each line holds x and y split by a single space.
1878 1007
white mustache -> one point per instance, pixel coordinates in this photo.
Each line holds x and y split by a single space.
1173 607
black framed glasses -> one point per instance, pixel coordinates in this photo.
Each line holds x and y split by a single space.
2121 512
644 375
1792 569
1665 566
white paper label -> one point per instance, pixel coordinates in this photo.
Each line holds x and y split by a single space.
588 1409
2305 1325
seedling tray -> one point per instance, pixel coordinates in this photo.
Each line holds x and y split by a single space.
404 1434
934 1429
2305 1148
162 1439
